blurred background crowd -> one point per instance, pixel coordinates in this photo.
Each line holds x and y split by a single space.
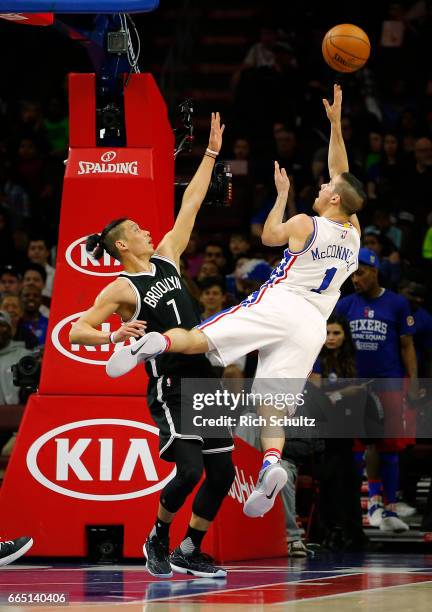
261 67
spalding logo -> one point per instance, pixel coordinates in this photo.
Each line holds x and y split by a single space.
108 156
103 460
79 259
94 355
105 167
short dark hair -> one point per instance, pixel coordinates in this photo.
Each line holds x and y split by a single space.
105 241
39 238
212 281
351 193
36 268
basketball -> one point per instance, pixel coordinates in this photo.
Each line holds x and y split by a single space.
346 48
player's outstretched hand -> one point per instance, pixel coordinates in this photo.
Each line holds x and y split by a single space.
334 110
216 131
133 329
282 181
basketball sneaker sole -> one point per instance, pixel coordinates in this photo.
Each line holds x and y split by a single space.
126 359
262 498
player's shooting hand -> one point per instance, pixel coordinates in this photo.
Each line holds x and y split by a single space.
133 329
334 110
216 131
282 181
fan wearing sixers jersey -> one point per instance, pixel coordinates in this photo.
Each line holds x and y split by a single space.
382 328
149 294
285 320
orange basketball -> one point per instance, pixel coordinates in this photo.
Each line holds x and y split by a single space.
346 48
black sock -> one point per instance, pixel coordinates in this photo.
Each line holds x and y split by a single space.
192 540
160 530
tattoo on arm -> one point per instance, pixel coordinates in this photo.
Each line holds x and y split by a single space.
308 241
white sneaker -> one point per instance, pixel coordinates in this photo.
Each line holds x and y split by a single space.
404 510
126 359
297 549
375 514
391 522
270 481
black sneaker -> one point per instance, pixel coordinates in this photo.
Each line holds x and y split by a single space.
11 550
196 564
157 555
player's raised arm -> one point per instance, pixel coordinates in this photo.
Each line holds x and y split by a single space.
276 232
337 155
175 241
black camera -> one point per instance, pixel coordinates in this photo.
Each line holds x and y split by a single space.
26 375
220 190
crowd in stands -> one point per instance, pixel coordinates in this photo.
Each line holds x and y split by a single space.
276 114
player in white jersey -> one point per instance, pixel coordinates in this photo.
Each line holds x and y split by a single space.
285 320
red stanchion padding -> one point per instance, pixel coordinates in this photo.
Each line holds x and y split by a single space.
82 110
236 537
102 184
81 461
35 19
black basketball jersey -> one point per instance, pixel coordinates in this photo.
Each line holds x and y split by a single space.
164 302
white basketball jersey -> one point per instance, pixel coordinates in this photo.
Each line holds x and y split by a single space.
318 271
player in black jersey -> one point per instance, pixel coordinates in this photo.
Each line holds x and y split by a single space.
149 295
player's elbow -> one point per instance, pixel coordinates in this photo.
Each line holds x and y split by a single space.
75 334
271 239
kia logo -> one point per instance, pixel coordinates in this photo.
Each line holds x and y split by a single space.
108 156
101 458
93 354
81 260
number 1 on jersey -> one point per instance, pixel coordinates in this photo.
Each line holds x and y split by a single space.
328 277
174 305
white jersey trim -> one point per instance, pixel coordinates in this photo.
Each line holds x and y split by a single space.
167 259
138 300
151 273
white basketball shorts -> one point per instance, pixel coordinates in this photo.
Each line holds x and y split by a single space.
284 327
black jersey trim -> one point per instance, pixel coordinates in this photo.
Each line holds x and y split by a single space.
138 300
167 259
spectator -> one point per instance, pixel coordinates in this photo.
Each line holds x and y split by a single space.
6 244
418 180
239 245
38 253
35 277
382 223
339 482
56 126
33 320
385 179
251 275
10 353
382 328
192 256
388 258
212 297
415 293
10 280
208 269
12 304
373 156
215 252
